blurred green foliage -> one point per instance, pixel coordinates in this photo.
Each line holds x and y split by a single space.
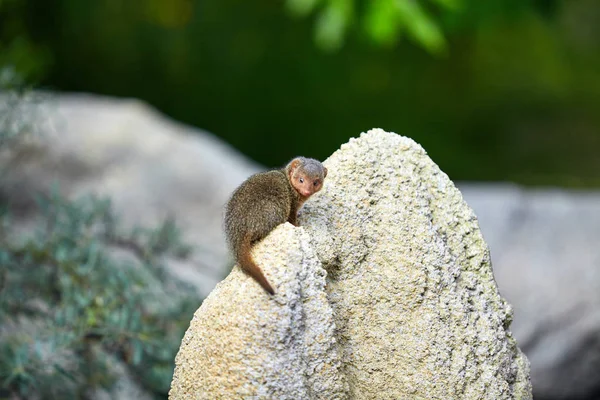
84 301
17 51
70 307
496 90
382 20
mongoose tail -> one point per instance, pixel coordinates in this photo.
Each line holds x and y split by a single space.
244 259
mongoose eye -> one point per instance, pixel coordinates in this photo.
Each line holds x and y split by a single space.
301 180
315 183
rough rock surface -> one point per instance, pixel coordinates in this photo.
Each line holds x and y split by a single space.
416 308
242 343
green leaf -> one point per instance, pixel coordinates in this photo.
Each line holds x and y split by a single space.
332 24
451 5
301 7
138 351
421 26
64 372
381 21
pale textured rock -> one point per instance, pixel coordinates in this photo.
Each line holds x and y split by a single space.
415 305
242 343
417 310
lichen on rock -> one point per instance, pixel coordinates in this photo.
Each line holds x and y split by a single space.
410 309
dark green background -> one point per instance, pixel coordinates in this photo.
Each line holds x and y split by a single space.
516 97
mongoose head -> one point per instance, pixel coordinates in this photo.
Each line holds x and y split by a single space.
306 175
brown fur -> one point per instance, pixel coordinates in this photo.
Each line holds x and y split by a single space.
264 201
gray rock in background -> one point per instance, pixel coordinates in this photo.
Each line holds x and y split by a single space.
150 166
546 252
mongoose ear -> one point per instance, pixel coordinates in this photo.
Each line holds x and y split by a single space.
295 163
324 172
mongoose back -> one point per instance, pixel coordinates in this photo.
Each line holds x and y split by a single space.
264 201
